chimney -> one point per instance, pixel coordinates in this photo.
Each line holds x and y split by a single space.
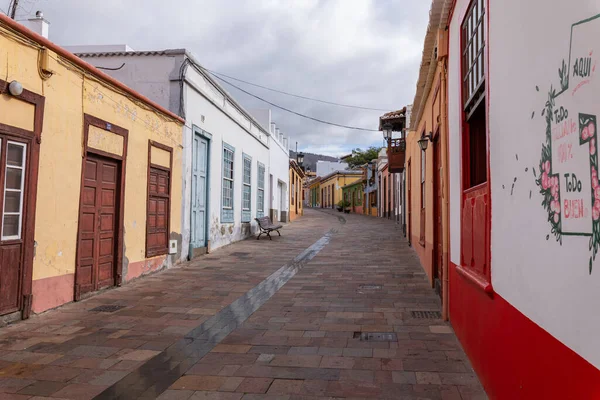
38 24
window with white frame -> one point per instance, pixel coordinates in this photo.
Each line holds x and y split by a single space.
227 195
260 191
14 183
246 189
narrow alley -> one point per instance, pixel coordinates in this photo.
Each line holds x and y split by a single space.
338 306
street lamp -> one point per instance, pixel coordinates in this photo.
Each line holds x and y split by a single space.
424 141
300 158
387 131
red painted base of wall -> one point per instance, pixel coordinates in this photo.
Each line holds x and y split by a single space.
137 269
52 292
513 357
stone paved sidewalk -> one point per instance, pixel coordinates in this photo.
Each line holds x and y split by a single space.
303 342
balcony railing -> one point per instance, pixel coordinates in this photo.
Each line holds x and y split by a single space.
396 155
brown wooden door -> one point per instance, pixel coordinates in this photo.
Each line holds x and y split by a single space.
98 217
13 168
438 222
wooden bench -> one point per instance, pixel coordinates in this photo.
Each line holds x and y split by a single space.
266 226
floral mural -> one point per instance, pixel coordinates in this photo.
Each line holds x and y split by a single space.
568 169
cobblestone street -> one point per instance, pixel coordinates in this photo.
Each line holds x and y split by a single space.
287 318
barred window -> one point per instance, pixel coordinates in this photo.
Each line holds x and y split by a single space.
473 56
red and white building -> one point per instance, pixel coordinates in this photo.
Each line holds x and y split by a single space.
523 85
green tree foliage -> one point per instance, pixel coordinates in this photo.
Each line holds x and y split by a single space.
360 156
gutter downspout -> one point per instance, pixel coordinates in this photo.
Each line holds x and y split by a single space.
445 265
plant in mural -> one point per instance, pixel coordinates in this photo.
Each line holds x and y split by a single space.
548 183
568 169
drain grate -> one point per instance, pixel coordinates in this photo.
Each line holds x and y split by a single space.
426 314
107 308
369 286
376 336
240 254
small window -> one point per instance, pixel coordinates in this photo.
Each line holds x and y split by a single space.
227 195
247 189
14 184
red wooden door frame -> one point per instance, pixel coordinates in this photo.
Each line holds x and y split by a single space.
33 140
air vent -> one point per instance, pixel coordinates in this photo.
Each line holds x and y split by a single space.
369 286
107 308
377 336
426 314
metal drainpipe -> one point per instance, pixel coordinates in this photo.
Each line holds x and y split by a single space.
445 266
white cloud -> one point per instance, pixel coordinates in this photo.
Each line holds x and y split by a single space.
363 52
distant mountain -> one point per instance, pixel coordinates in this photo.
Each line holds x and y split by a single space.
310 159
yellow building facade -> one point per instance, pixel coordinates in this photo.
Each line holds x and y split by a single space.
331 186
296 190
93 171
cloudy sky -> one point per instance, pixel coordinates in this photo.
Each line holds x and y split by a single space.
358 52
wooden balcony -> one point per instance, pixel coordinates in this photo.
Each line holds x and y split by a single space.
396 155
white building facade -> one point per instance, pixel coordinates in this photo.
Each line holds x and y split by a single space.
327 167
227 151
278 181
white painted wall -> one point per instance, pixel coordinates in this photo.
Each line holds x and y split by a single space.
279 172
226 124
327 167
547 280
210 109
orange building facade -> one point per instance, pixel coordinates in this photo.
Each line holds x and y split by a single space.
427 173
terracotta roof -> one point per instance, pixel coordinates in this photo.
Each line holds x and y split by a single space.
132 53
395 118
340 173
82 64
394 114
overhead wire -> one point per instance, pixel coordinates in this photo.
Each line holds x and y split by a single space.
214 73
295 112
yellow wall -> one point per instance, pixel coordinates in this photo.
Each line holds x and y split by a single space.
67 97
298 182
338 181
428 123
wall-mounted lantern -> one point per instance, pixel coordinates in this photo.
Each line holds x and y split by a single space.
15 88
424 141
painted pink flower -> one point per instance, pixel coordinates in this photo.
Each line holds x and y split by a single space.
556 218
597 192
545 183
585 133
547 166
555 206
594 182
592 129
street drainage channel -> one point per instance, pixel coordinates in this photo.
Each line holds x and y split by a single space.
157 374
